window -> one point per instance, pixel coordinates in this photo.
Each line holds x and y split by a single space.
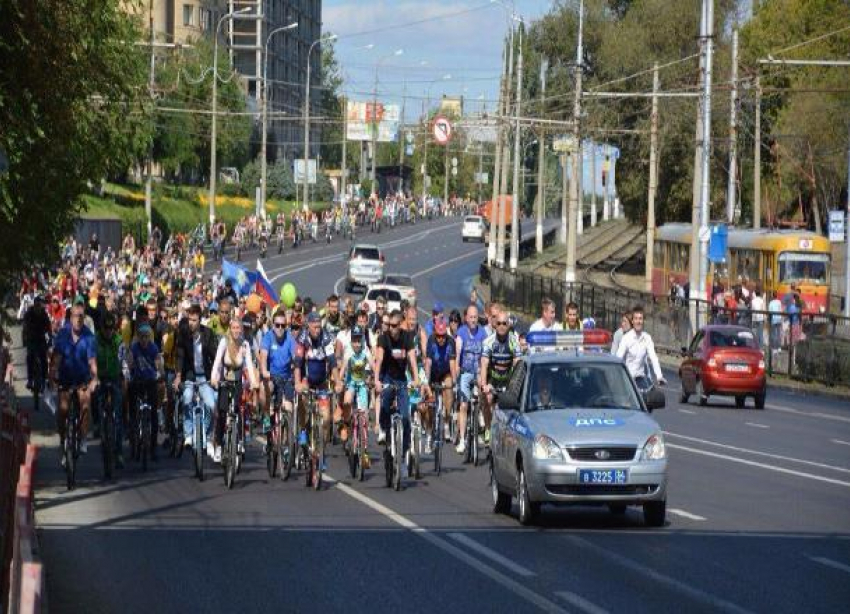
206 19
803 267
732 339
188 15
581 385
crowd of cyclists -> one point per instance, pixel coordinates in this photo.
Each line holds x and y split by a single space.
113 331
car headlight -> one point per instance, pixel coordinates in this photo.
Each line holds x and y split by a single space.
545 448
654 448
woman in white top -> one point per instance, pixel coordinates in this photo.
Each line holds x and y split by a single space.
233 360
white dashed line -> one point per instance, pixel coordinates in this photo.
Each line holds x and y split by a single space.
757 425
688 515
840 442
809 414
688 411
830 563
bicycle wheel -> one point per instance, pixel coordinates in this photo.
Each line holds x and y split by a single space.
438 441
415 450
272 451
70 456
354 449
285 453
144 440
228 459
239 442
107 444
474 448
319 453
362 447
198 446
398 454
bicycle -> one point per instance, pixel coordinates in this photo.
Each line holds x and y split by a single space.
107 431
358 450
393 457
37 380
314 448
437 434
198 443
280 448
472 427
281 238
234 432
142 428
71 448
264 246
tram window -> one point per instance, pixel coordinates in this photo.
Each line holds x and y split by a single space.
801 266
658 254
747 264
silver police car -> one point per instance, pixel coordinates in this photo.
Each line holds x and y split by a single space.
573 428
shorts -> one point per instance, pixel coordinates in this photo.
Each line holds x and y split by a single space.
361 393
467 381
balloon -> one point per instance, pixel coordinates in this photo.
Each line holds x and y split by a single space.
288 294
254 303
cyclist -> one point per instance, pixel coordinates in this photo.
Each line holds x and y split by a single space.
315 367
108 343
74 369
196 350
276 352
232 359
500 353
332 322
394 357
146 371
220 324
169 358
36 335
636 347
440 368
469 346
354 373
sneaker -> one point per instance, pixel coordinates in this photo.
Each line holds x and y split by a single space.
119 460
367 462
461 447
217 454
487 437
84 446
382 436
62 462
210 449
447 432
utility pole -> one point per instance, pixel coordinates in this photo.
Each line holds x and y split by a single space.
503 179
653 181
593 185
693 261
497 169
541 161
446 171
517 150
575 184
847 239
151 84
344 179
606 201
706 150
731 191
757 161
562 231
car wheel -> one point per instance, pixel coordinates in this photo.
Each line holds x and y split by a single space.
702 397
528 510
740 401
501 501
618 509
655 513
759 399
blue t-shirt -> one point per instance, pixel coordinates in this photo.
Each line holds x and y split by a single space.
144 361
315 357
473 346
280 352
74 370
441 356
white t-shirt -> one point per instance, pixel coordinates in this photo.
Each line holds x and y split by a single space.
541 325
757 304
634 350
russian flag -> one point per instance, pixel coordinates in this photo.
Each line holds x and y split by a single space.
264 287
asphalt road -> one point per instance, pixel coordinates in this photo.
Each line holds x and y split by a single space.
757 514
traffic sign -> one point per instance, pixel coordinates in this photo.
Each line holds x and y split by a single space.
836 226
442 130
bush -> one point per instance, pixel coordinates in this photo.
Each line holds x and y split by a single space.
234 189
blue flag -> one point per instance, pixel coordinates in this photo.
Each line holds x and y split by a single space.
243 279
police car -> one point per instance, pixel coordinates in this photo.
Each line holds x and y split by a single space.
573 428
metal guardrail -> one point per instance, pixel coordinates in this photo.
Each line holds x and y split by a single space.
806 347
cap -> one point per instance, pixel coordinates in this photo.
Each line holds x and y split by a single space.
228 282
438 307
213 306
313 317
440 326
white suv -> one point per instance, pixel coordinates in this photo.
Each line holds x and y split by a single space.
365 266
473 228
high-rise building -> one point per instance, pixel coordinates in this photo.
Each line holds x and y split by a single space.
244 36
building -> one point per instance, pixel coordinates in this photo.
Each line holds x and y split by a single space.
244 36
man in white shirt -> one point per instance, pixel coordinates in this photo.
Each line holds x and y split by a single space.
547 319
757 307
775 308
636 347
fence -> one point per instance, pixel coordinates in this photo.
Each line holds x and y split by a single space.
22 574
808 347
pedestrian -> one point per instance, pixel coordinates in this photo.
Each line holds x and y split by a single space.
757 308
547 321
625 326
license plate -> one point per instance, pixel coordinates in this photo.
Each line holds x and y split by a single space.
738 368
603 476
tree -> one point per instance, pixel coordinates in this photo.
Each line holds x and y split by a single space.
69 115
330 103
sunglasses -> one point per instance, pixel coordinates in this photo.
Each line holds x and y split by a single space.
396 325
279 325
502 323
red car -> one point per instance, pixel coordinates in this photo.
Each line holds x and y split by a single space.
723 360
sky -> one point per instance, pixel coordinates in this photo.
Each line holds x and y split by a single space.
460 38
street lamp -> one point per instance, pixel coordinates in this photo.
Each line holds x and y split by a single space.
397 52
327 39
215 109
263 163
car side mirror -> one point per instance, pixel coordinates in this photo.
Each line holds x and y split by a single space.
507 401
655 399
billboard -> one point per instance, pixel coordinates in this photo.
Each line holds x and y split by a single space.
364 117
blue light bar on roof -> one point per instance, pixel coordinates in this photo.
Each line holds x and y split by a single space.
566 339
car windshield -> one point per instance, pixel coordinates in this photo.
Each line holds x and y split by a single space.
803 267
581 386
473 220
732 339
389 295
367 253
399 280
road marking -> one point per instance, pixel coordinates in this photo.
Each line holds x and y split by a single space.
497 576
640 568
840 442
830 563
445 262
688 411
492 555
735 459
581 603
688 515
810 414
757 425
757 453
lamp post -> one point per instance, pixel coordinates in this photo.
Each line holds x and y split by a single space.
328 38
215 110
263 162
397 52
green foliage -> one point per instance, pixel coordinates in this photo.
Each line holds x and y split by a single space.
69 115
279 176
331 106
